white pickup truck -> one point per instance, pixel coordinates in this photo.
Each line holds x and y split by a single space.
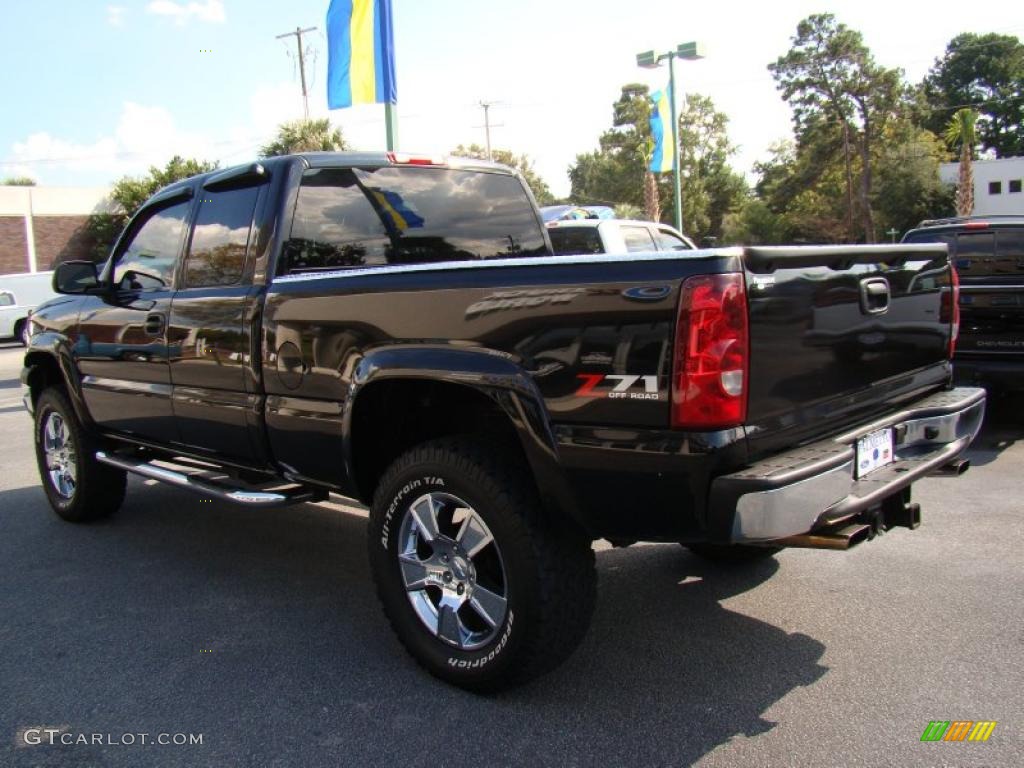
586 236
19 295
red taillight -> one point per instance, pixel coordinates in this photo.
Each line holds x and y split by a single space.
950 308
712 351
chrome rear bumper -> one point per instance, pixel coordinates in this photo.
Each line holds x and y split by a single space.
815 486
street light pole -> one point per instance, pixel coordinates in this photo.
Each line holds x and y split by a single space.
677 184
651 60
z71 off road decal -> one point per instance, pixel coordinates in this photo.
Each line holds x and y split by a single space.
594 385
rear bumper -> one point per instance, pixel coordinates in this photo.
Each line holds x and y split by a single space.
815 486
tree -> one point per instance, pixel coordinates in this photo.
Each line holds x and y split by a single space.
985 72
961 130
829 75
129 193
522 163
305 136
711 188
18 181
617 173
909 189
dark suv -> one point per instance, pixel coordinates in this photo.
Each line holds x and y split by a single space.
988 252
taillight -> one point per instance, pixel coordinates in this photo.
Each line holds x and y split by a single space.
950 308
712 352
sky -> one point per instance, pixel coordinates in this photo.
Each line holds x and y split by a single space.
97 90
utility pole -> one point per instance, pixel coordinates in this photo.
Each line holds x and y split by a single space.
487 124
302 63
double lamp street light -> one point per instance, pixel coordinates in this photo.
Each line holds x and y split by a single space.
652 60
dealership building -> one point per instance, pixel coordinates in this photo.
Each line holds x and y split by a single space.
997 184
42 226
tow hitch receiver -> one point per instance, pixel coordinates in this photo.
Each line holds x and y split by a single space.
895 511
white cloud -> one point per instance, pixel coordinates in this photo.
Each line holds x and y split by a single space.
115 15
144 136
181 12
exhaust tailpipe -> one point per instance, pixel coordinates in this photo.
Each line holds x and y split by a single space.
954 468
841 538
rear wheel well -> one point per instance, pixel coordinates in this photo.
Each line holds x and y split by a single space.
391 417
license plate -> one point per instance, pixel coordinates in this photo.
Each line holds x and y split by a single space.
874 451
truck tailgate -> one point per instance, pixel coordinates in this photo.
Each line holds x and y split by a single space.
840 334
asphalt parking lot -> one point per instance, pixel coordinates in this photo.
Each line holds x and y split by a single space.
261 632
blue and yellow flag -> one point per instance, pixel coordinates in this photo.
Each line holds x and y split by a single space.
399 216
664 155
360 53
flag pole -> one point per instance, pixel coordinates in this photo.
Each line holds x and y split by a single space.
391 125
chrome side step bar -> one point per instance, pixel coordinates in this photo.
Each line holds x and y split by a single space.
246 497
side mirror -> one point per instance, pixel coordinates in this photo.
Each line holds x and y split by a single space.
76 277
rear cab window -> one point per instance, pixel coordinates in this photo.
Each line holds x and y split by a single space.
216 254
670 241
638 239
348 218
573 241
985 255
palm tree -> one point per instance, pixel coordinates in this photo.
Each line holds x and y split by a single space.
961 129
304 136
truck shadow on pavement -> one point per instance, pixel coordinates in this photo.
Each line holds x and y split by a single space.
262 631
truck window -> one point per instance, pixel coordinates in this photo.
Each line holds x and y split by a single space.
638 239
572 241
1010 250
6 299
670 241
216 254
356 217
147 262
975 253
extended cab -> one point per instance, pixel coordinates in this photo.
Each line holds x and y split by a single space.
396 330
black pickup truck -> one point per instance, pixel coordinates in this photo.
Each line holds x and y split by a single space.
988 255
395 329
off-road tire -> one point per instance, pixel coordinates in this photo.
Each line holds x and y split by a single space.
99 489
550 578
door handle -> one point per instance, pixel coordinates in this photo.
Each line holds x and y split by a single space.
155 323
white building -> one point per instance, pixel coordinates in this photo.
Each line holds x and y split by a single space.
997 184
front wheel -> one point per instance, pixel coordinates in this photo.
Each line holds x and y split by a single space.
480 587
78 487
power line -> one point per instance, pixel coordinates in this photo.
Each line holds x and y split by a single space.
298 33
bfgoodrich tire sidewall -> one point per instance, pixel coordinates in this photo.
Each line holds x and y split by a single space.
466 668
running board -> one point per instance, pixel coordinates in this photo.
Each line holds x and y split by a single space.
249 498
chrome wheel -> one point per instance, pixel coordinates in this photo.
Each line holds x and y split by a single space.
452 570
61 461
